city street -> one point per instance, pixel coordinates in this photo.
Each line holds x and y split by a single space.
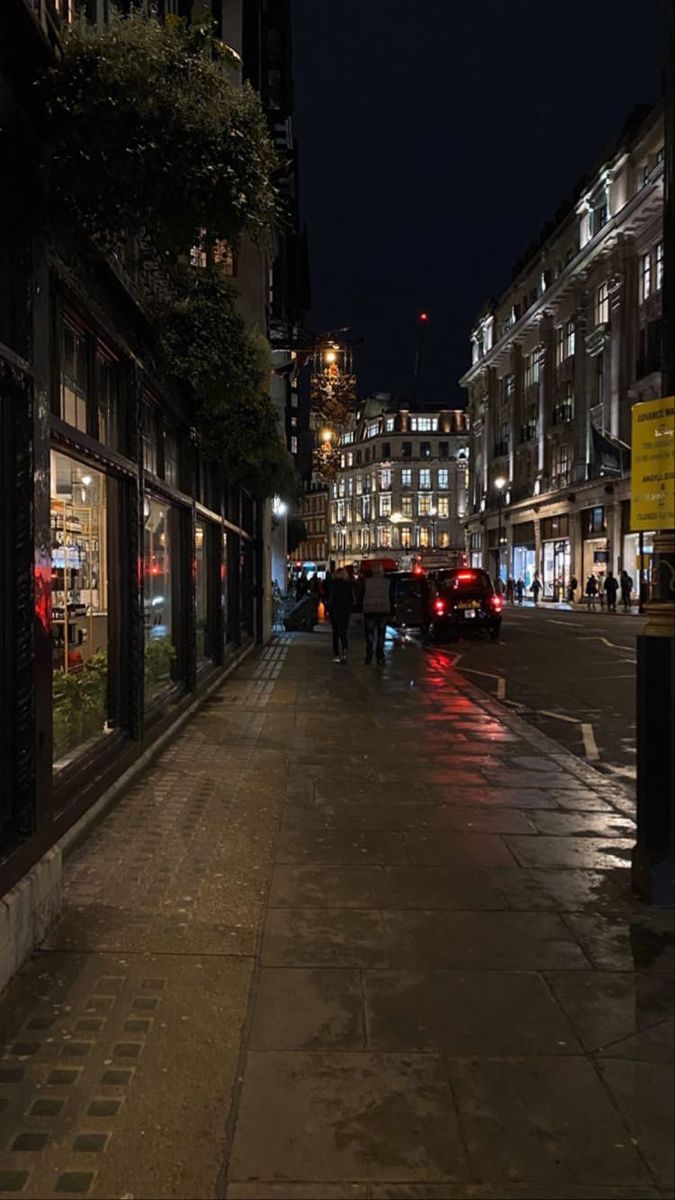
570 673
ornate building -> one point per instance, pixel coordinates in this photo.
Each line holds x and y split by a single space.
557 364
400 489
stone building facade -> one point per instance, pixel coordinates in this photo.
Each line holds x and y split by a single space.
401 486
557 363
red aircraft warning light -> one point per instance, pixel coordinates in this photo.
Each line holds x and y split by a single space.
424 316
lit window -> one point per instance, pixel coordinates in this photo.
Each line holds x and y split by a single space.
385 505
424 538
385 478
373 429
602 304
425 477
645 277
294 444
444 539
359 485
350 458
658 265
389 424
424 424
560 344
444 506
384 536
569 339
443 477
406 477
406 537
423 505
407 506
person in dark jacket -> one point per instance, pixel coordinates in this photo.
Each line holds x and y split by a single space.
535 588
341 606
377 606
611 588
626 590
591 591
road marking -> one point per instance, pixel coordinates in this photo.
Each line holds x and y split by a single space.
552 621
587 735
590 744
501 682
559 716
595 638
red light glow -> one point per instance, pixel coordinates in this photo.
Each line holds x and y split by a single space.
466 575
424 316
496 602
439 605
418 570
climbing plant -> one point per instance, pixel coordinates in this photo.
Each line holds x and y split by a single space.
149 136
207 345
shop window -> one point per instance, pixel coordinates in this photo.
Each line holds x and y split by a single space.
424 538
158 580
107 401
406 506
73 390
79 588
443 539
406 537
201 589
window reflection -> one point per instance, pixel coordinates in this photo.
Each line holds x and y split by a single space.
157 579
79 608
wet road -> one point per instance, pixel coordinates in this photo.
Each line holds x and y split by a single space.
572 674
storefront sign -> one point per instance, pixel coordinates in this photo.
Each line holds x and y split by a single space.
653 466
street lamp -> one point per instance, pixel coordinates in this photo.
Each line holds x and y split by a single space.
500 484
327 435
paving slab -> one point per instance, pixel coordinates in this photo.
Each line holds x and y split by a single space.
619 1013
462 1014
338 1116
318 1009
543 1120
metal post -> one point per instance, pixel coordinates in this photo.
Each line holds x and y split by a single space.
499 534
653 856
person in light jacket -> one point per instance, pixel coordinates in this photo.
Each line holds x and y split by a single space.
377 605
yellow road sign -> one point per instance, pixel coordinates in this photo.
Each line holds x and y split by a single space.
653 465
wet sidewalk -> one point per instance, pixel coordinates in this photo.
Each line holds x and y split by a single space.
359 933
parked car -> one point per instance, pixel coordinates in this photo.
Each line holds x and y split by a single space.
463 599
411 599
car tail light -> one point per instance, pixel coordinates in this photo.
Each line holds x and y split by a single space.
439 606
465 576
496 602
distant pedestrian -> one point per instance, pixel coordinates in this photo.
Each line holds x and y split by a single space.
626 590
535 588
301 586
591 592
611 588
572 590
601 589
377 605
520 590
510 589
341 608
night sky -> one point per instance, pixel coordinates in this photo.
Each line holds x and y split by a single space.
436 138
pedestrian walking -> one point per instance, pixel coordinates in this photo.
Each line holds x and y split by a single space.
535 588
377 605
572 590
611 588
591 592
510 589
520 590
601 589
341 608
301 586
626 590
